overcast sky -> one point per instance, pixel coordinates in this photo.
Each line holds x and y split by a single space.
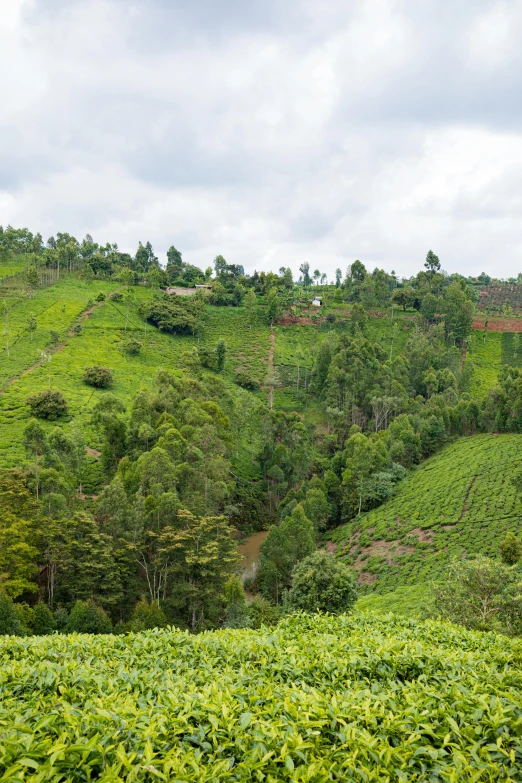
270 131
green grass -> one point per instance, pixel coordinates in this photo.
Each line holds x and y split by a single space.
458 503
359 698
511 349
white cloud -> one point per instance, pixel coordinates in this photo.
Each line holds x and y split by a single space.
375 129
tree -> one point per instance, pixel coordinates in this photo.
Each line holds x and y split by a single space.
482 594
429 307
273 305
86 617
146 616
237 614
510 549
49 404
18 555
249 302
174 263
97 376
284 546
322 583
458 311
305 272
10 624
35 442
32 325
42 620
432 264
338 277
317 275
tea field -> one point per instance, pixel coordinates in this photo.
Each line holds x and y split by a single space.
354 698
458 503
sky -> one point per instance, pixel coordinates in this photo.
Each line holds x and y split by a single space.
271 132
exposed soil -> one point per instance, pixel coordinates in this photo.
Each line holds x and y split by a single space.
365 578
498 324
423 535
331 547
291 320
465 504
386 549
92 452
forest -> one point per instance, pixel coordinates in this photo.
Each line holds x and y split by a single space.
147 433
364 430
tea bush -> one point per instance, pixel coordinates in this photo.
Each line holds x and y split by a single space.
351 698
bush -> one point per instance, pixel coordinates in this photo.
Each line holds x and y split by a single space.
133 347
97 376
237 614
86 617
246 380
322 583
511 549
146 616
61 618
100 297
10 623
54 337
262 612
116 296
48 404
42 620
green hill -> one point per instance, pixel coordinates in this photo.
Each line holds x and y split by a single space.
315 699
458 503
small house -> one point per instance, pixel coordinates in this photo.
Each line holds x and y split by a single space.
317 301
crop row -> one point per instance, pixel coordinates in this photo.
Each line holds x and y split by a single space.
315 699
458 503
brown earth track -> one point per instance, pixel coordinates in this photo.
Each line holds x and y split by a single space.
498 324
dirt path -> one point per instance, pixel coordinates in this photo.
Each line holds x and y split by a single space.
51 351
271 353
465 506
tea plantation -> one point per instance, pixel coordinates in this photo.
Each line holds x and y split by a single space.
316 699
458 503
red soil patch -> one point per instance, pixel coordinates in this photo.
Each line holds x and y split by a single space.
291 320
365 578
331 547
92 452
499 324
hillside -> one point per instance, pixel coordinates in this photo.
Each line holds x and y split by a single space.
315 699
459 502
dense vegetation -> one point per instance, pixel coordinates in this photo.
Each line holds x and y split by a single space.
317 698
146 426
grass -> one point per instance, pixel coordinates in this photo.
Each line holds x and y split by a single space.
408 601
352 698
458 503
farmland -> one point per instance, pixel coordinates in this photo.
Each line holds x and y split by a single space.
494 297
458 503
358 698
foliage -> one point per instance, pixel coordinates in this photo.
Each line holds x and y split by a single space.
510 549
97 376
321 583
147 615
482 594
48 404
376 699
246 380
10 623
175 314
86 617
42 620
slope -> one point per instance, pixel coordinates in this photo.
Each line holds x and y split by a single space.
314 699
458 503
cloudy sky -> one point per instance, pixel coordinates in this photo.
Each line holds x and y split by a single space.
270 131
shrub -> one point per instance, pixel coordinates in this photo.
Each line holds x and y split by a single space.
61 618
116 296
146 616
48 404
10 623
54 337
262 612
246 380
97 376
86 617
42 620
100 297
321 583
511 549
237 614
133 347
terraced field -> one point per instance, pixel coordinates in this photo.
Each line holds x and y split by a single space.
458 503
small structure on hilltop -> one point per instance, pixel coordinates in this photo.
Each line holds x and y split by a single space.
317 301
